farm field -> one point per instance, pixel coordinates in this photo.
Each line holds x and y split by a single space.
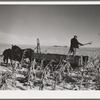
62 77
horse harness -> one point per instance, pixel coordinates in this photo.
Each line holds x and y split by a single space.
24 60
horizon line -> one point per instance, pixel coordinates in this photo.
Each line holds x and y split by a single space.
49 45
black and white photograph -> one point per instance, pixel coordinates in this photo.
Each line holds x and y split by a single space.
50 47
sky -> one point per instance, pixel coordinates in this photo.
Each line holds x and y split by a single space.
52 24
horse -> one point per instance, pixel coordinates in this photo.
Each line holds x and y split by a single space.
17 53
7 53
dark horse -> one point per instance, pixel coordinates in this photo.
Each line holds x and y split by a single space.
7 53
17 53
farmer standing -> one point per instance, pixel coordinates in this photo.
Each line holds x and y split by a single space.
74 44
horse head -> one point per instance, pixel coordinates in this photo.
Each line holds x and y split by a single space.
17 52
15 48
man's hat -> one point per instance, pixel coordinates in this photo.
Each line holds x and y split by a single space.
75 36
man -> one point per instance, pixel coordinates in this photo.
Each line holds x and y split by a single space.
74 45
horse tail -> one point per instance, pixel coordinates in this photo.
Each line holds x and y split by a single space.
7 54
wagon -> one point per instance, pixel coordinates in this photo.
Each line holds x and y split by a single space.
76 61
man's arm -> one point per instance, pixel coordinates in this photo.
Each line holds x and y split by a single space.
80 44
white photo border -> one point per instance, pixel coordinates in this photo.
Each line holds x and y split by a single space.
16 94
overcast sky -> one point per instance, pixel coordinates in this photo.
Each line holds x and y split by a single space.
53 25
